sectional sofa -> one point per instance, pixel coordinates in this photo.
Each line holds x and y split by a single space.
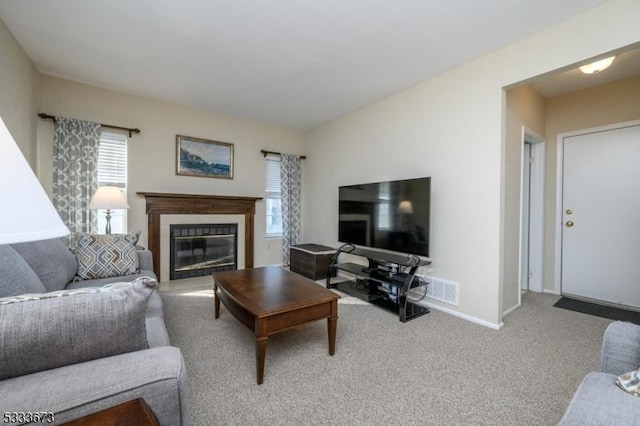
598 400
72 346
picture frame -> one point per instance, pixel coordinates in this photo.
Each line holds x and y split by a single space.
203 158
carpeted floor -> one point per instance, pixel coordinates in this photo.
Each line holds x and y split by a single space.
437 369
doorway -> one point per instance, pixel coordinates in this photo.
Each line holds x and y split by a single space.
598 206
531 211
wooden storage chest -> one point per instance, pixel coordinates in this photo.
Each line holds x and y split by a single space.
311 260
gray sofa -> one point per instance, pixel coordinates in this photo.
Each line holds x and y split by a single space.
598 400
155 371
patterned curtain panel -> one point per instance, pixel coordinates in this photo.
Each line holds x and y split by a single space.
75 158
291 178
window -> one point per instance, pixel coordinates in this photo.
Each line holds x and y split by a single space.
272 198
112 171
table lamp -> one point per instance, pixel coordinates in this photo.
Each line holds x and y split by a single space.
108 198
28 214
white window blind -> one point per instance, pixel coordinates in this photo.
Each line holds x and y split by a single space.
273 176
272 198
112 160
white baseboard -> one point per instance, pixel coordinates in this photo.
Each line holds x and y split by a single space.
479 321
511 309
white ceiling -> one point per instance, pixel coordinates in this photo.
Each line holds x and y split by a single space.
292 63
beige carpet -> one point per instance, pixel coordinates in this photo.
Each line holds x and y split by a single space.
437 369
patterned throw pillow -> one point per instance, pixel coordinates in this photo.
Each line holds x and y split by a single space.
104 256
48 330
630 382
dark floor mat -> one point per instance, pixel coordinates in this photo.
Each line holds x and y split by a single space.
598 310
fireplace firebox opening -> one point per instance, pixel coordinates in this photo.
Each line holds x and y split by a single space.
201 249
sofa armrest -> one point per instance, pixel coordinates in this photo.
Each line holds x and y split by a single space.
156 375
145 259
598 401
156 332
620 348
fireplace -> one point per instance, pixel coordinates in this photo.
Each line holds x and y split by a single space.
200 249
162 206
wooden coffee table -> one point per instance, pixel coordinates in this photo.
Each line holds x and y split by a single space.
270 299
131 413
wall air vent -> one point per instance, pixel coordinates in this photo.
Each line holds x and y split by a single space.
443 290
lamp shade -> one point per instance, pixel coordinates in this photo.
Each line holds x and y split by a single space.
27 213
108 197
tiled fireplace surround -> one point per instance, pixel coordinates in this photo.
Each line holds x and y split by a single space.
164 210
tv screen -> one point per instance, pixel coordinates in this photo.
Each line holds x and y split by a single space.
392 215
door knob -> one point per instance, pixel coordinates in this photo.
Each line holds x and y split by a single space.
569 224
568 211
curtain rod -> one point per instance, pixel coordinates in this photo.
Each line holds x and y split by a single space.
128 129
265 153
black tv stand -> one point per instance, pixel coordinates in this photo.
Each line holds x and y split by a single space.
385 282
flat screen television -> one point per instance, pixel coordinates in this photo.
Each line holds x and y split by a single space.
391 215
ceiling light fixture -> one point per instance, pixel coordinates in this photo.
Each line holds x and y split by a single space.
597 66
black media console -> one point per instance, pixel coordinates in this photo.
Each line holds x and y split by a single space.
384 282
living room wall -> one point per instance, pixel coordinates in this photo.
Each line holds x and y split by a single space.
20 99
452 128
152 153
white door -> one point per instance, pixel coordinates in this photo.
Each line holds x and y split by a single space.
601 216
